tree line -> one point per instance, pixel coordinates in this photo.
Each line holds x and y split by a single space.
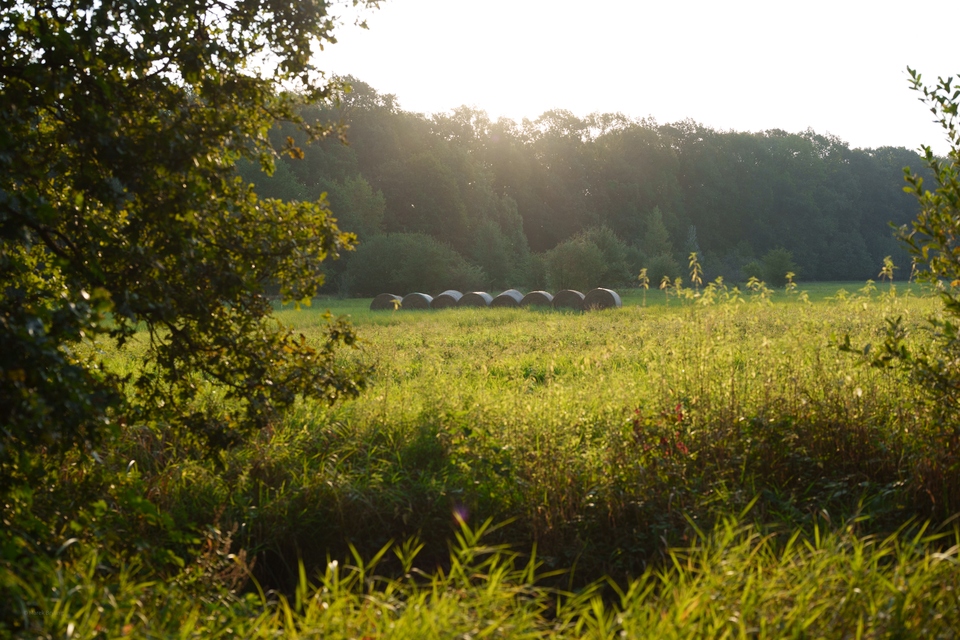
459 200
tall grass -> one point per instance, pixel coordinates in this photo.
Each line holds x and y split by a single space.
598 433
627 444
734 582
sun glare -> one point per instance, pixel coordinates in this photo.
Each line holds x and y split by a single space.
838 68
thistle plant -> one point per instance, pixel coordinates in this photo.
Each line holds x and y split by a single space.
886 273
711 292
791 286
792 289
840 295
644 283
759 291
696 273
665 285
733 295
681 292
718 291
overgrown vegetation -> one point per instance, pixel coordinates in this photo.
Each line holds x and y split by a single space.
608 442
173 459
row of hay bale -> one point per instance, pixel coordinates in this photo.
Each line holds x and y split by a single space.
566 299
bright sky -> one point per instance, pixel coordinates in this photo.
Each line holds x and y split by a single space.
837 66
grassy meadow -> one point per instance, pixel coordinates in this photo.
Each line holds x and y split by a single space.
668 469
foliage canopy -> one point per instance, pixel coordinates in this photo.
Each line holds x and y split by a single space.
120 125
504 194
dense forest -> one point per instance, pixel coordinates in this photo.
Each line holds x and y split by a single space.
456 200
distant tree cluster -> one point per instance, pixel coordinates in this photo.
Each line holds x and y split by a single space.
583 202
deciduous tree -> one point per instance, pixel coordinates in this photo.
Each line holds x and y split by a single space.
120 210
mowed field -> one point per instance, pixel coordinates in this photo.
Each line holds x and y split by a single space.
667 468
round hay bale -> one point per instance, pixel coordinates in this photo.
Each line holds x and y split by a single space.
384 302
509 298
447 299
475 299
601 299
568 299
537 299
416 301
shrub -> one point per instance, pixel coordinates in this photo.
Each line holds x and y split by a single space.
662 265
776 264
616 271
575 264
752 269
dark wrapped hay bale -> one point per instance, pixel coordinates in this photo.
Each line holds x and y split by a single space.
537 299
568 299
475 299
601 299
447 299
384 302
509 298
416 301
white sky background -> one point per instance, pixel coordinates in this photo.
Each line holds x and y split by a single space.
838 67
